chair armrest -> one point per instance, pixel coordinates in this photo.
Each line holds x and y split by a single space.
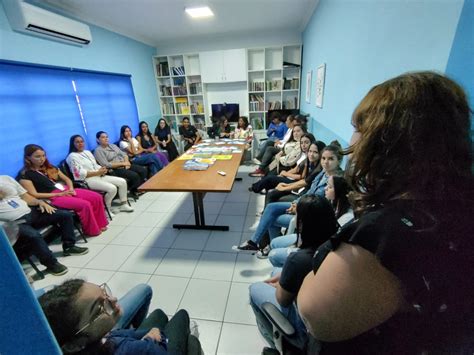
277 319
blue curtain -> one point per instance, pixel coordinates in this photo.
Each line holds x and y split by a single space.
37 106
46 105
107 102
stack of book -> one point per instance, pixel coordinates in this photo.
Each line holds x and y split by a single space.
257 85
177 70
273 85
182 107
195 88
291 84
197 107
290 103
257 123
256 103
167 108
273 105
162 69
179 87
165 90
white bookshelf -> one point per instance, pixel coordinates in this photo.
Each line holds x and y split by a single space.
180 89
274 79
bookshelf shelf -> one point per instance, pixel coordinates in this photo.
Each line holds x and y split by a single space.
178 79
273 75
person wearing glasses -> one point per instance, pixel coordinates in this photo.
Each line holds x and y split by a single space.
87 319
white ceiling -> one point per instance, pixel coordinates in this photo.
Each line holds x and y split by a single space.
161 22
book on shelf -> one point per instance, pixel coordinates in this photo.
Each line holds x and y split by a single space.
291 84
290 65
290 103
257 102
167 108
165 90
195 88
199 122
197 108
273 85
273 105
182 105
178 70
179 91
257 85
162 69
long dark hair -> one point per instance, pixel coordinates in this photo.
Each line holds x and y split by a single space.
315 221
246 121
72 147
141 133
158 128
341 202
292 138
316 168
122 131
414 143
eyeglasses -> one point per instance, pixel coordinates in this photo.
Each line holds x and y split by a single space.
106 307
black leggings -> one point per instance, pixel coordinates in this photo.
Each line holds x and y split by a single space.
269 182
180 341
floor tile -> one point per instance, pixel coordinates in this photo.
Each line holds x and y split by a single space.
249 268
150 196
238 309
160 206
238 339
132 235
55 280
121 282
107 236
206 299
178 263
95 276
111 257
81 260
238 197
167 292
215 266
214 197
222 241
173 218
191 239
234 208
124 219
160 237
209 219
209 332
144 260
235 223
147 219
142 205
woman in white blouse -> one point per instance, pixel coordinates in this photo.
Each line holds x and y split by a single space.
85 168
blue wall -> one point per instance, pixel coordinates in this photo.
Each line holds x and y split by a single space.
366 42
108 52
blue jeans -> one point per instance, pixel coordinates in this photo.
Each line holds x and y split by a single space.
135 304
150 160
280 248
273 218
260 293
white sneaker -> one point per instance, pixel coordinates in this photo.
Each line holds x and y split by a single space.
126 208
256 161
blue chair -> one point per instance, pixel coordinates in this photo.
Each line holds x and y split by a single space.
24 327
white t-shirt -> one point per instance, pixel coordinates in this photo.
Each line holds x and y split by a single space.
124 144
81 163
12 206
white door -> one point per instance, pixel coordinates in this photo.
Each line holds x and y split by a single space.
212 67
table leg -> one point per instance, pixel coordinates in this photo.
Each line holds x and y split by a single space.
198 203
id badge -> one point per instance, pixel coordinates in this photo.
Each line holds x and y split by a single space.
59 186
12 203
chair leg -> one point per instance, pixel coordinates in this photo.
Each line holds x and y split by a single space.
108 212
78 227
38 271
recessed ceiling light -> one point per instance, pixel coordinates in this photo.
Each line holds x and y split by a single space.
196 12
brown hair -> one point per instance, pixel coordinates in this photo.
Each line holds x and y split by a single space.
414 140
48 169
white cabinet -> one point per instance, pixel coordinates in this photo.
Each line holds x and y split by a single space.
223 66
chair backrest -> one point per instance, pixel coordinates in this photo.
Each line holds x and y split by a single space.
25 329
64 167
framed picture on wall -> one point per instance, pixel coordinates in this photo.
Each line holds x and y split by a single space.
320 76
309 74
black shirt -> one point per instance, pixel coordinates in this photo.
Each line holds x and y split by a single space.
431 254
147 143
40 181
297 265
162 134
188 133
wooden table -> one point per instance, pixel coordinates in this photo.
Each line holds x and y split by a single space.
174 178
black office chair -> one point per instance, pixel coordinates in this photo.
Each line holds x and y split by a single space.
64 167
284 334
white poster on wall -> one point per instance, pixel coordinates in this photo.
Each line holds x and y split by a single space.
320 75
309 74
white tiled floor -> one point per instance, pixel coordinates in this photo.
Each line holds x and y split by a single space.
194 270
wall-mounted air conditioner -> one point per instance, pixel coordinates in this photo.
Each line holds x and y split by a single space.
26 18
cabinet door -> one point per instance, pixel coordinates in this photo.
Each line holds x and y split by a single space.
212 67
235 65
